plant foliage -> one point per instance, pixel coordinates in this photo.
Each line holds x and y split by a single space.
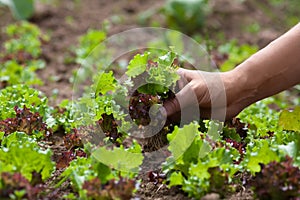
21 9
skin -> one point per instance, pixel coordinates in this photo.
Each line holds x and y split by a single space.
269 71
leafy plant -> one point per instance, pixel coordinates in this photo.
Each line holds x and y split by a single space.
259 152
16 186
196 165
63 161
202 162
290 120
127 160
88 43
20 9
103 107
235 54
278 180
61 117
105 103
101 158
90 54
22 95
25 121
186 16
13 73
12 159
24 37
19 60
94 180
115 189
261 119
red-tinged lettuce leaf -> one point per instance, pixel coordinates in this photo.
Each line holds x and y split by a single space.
235 130
93 188
278 180
25 121
15 183
114 189
109 126
139 107
66 157
121 189
73 140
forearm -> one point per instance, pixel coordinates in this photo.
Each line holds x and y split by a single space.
271 70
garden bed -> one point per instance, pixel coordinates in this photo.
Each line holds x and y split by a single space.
44 124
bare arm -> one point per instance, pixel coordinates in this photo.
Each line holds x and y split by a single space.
267 72
271 70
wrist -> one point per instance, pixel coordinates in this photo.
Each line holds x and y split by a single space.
240 91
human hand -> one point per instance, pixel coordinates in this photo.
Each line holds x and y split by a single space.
215 94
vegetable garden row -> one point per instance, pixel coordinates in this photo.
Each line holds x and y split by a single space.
101 155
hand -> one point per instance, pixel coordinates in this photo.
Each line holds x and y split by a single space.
214 93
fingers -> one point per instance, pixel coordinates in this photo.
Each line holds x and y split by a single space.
186 74
186 97
184 79
200 90
171 107
174 119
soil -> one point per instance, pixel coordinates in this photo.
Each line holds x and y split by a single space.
66 20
